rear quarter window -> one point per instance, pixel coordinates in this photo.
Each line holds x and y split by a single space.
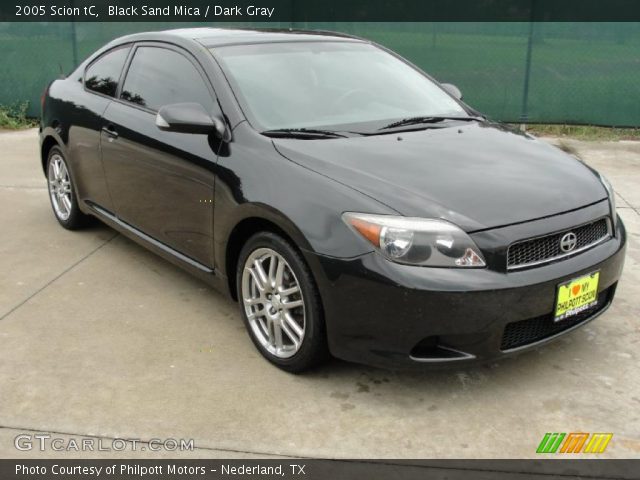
103 74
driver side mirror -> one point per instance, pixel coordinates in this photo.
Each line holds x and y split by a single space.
452 89
189 118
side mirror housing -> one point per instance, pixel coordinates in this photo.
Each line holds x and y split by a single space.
189 118
452 89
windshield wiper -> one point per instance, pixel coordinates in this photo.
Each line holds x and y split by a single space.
419 120
302 133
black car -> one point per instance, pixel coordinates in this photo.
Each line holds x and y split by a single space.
351 204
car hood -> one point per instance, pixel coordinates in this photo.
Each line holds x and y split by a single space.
477 176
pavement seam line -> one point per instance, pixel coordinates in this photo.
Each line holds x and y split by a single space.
66 270
628 203
23 187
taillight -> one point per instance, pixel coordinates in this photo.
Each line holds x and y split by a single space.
42 98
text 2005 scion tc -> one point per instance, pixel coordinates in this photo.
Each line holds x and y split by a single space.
349 202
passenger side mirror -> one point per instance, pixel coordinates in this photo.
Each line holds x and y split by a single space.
452 89
189 118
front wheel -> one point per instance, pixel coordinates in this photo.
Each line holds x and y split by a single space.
280 304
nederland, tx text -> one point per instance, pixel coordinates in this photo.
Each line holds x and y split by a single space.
189 11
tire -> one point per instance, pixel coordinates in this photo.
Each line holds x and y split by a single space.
62 192
276 315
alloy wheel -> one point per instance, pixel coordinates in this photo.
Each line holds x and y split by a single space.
273 302
59 187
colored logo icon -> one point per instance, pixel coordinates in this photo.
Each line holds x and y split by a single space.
575 442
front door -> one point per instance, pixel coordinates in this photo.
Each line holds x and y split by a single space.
161 182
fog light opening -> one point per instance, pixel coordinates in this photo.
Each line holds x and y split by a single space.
430 349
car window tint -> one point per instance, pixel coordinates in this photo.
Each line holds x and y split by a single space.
102 76
158 76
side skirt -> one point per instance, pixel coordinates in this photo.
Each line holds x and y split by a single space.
199 270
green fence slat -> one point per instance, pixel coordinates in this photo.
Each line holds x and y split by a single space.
583 73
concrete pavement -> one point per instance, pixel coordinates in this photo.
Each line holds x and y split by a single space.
101 338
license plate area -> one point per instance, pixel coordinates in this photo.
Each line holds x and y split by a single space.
576 296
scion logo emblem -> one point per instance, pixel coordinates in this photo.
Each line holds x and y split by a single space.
568 242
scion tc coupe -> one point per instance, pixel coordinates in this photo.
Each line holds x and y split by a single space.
350 203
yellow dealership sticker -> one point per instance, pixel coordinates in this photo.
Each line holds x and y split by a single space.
577 296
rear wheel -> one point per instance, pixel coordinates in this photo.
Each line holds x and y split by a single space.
280 303
62 192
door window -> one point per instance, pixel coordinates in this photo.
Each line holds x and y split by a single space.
159 76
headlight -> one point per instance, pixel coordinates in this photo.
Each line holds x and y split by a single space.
417 241
612 200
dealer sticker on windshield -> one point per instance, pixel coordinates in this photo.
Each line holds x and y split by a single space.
577 295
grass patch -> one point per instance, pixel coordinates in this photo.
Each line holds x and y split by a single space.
14 117
585 132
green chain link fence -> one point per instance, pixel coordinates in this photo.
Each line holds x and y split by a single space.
578 73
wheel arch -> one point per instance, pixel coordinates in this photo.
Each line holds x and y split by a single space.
248 226
48 143
50 139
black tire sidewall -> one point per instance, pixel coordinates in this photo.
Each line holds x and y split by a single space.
313 349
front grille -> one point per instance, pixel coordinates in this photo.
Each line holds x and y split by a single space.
547 248
524 332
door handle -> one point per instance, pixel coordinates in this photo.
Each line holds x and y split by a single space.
109 130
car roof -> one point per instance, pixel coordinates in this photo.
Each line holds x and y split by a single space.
215 37
226 36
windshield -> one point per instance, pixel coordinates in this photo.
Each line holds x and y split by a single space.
328 85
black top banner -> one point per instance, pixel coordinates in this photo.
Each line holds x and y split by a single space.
320 10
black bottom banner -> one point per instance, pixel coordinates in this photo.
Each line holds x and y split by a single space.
319 469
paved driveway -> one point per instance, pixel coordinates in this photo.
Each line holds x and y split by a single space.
100 337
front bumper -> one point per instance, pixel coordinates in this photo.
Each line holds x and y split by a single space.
397 316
